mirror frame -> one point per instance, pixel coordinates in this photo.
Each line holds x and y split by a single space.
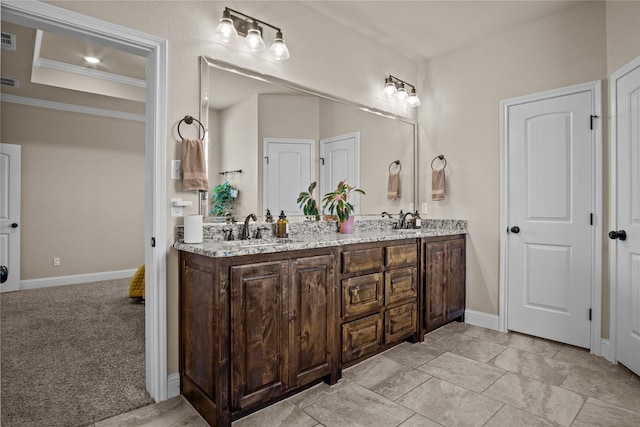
207 63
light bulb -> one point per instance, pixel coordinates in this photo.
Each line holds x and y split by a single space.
92 59
253 42
389 88
402 93
278 49
413 99
225 31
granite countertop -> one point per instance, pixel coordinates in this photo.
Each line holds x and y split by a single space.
303 239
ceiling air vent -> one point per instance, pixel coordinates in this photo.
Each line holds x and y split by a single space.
8 41
6 81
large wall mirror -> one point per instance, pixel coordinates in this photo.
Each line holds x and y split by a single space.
282 137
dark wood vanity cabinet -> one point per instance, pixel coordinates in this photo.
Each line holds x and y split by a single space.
444 280
254 329
251 332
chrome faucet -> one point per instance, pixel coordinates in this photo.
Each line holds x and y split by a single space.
403 219
245 227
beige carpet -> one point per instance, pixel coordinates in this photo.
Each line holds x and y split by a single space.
71 355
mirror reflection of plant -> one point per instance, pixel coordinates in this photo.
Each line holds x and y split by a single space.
308 203
222 199
337 201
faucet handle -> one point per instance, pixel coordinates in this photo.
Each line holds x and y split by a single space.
259 231
228 234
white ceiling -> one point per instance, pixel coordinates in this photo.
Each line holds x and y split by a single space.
424 29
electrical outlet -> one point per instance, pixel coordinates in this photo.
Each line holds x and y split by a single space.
424 207
56 261
176 169
176 211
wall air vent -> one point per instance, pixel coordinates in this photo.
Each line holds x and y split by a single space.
6 81
8 41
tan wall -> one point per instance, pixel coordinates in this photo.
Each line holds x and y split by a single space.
82 191
460 118
239 150
382 141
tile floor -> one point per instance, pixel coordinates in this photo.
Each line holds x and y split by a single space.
462 375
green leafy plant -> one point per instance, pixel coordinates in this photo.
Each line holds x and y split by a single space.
308 203
337 201
222 199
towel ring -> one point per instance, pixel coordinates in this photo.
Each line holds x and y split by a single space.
189 120
395 162
440 157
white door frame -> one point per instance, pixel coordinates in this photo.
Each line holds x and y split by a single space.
613 206
35 14
595 88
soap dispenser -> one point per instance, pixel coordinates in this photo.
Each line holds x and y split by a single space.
268 217
282 226
417 221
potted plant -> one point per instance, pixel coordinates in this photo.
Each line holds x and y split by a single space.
337 202
308 203
222 199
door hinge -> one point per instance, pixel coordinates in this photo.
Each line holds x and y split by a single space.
591 117
591 218
589 315
153 242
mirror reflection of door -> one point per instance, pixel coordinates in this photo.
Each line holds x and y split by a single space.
341 156
289 168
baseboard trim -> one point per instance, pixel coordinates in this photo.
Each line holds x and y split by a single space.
484 320
173 385
605 350
48 282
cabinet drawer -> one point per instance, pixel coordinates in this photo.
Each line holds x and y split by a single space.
400 284
361 337
400 322
401 255
362 295
361 260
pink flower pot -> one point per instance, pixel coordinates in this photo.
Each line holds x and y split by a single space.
346 227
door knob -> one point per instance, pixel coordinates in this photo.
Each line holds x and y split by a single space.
515 229
14 225
4 273
620 235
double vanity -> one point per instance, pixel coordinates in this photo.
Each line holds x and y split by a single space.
261 319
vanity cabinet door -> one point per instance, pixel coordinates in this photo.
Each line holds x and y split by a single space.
361 337
444 281
362 295
400 322
313 304
259 332
400 284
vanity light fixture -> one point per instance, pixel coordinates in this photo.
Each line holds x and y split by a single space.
394 87
234 24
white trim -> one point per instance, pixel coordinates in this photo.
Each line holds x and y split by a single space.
36 50
73 108
605 350
75 279
484 320
595 87
87 72
613 205
173 385
47 17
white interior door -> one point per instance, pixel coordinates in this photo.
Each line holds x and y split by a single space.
288 170
10 215
341 161
625 219
550 206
